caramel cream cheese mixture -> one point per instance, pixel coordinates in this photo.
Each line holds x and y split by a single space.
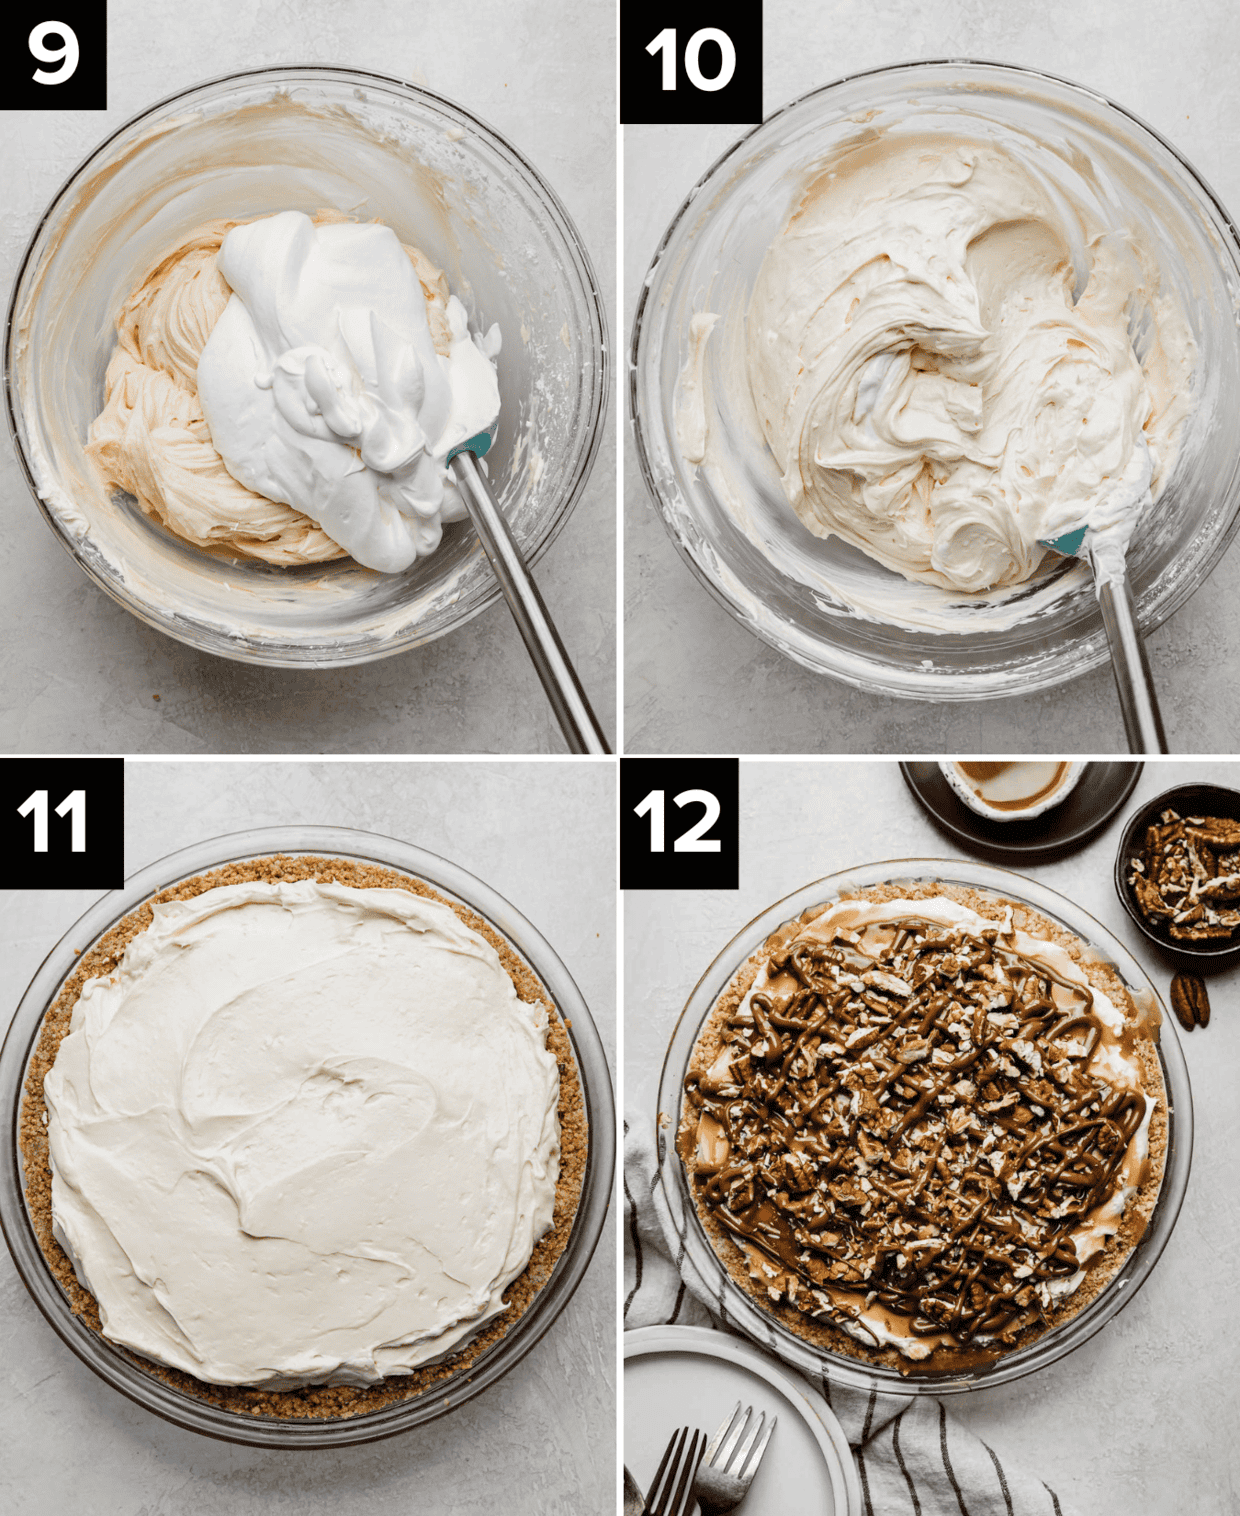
951 363
305 1134
923 1127
287 388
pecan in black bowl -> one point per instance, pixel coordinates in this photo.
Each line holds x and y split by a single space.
1177 873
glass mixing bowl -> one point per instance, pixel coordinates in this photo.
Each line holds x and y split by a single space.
304 138
123 1372
700 1264
733 524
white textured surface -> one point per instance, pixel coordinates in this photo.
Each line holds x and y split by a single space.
542 1440
1138 1419
695 680
81 670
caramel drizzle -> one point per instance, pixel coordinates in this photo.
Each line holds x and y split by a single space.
858 1160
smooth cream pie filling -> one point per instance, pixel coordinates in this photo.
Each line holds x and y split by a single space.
304 1134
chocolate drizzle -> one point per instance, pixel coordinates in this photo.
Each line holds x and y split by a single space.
911 1123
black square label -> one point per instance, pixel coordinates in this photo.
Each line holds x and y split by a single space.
62 823
679 826
54 56
691 62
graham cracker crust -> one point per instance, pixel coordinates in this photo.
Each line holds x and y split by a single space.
315 1402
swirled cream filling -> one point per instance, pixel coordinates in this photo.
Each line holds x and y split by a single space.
305 1134
954 363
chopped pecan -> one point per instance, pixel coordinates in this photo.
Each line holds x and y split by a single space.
1215 832
1150 901
1199 931
1187 870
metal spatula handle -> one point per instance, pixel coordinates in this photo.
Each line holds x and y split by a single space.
1138 701
559 679
1137 698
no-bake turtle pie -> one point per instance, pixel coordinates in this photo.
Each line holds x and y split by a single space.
923 1126
302 1137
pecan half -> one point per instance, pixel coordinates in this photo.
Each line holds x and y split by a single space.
1189 1001
1214 831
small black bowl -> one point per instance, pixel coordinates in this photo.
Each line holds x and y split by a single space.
1184 800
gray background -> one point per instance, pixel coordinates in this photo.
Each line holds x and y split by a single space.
1142 1417
542 1440
81 671
695 680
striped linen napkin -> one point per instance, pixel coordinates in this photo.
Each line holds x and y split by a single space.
913 1458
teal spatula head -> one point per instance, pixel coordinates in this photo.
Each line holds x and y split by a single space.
1069 544
477 445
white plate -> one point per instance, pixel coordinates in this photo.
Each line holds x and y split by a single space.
678 1376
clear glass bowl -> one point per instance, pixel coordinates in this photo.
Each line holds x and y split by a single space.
701 1266
304 138
735 528
124 1373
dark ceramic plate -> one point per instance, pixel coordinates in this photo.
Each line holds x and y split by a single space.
1099 793
1185 800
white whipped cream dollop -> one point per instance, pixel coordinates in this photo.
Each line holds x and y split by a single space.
304 1134
322 388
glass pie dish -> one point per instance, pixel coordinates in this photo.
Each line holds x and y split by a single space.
306 138
125 1372
706 1274
820 601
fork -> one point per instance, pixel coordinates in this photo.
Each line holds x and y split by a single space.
731 1460
675 1496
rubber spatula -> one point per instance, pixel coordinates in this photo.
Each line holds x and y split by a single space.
559 679
1137 698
